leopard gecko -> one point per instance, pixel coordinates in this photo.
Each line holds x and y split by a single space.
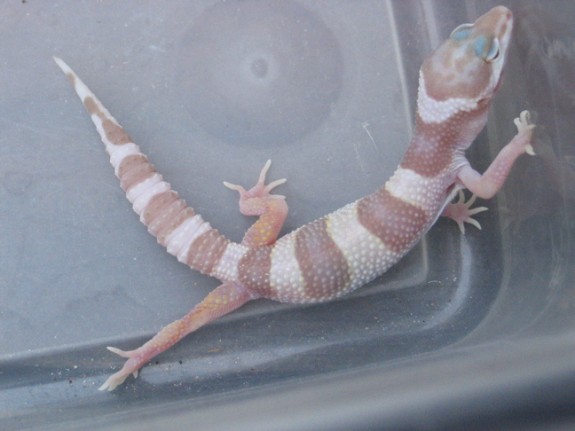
344 250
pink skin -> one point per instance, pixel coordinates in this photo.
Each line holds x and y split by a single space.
487 185
461 212
272 211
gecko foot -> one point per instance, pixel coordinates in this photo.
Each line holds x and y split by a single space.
131 366
461 212
252 201
525 127
224 299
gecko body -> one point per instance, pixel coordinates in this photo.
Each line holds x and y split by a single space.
341 251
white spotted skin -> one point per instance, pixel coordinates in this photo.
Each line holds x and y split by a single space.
366 255
180 240
143 199
143 189
119 152
286 280
422 192
434 111
227 268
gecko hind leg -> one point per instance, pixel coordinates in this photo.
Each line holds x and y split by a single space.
272 211
224 299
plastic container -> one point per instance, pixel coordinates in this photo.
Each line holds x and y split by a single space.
467 332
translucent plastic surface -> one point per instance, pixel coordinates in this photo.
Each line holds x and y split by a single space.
210 90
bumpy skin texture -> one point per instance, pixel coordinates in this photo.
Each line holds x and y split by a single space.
342 251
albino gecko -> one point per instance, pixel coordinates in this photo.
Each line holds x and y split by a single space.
342 251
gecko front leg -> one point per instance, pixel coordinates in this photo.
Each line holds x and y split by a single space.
485 186
229 296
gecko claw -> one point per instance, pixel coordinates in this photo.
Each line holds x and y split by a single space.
115 380
119 352
131 366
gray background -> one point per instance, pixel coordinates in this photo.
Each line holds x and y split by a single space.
468 327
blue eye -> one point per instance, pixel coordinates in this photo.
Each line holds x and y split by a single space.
488 49
493 52
461 32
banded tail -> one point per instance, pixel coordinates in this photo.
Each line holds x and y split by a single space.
176 226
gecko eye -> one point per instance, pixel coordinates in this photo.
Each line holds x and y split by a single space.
461 32
494 50
486 48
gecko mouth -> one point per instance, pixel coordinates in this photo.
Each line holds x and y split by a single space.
256 74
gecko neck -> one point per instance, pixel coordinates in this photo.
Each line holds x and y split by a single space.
435 144
427 174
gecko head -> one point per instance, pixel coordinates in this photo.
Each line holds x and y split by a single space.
465 71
